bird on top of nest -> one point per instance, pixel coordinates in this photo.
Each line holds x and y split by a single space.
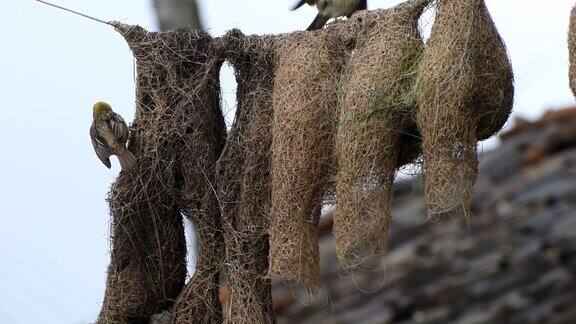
331 9
109 134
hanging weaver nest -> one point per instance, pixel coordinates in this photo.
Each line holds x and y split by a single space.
336 110
244 180
572 50
305 101
464 89
178 134
203 135
377 107
148 265
494 95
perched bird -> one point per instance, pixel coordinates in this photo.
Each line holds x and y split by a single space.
109 134
331 9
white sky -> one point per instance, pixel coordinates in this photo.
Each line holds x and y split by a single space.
54 222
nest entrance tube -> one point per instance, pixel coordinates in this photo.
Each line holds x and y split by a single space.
376 109
305 103
464 88
243 183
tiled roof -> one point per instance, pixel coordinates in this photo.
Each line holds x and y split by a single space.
514 261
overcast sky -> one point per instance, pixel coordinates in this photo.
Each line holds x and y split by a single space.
53 65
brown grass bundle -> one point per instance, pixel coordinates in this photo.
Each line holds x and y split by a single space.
464 90
377 106
305 101
244 181
572 50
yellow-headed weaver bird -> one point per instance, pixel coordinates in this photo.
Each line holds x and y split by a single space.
109 134
332 9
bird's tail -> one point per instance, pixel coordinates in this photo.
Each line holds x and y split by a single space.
298 5
127 160
318 22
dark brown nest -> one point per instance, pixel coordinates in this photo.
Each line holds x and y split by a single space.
244 181
203 137
464 89
177 135
148 265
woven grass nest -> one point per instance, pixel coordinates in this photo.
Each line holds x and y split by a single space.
324 117
464 90
572 50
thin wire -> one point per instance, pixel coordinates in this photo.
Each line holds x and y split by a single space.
74 12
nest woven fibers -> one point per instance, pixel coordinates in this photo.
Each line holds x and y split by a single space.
465 93
322 117
305 100
243 173
378 105
572 50
177 136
